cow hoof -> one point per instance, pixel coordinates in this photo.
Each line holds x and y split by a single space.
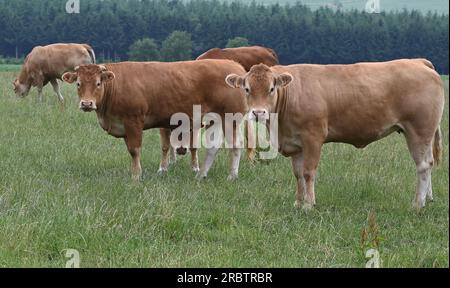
200 176
417 205
232 177
162 170
297 204
136 178
195 169
307 207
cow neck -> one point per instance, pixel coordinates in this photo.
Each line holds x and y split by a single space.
105 105
282 101
24 76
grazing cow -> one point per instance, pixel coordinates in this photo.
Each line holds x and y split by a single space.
356 104
48 63
130 97
247 57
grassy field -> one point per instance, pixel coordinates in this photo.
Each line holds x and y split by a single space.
10 68
65 184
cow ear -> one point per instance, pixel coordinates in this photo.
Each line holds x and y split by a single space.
283 79
234 81
69 77
107 76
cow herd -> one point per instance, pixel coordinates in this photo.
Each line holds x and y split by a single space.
314 104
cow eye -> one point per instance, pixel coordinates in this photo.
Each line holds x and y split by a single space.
272 89
98 84
247 90
78 84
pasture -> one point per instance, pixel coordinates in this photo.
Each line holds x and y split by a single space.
65 184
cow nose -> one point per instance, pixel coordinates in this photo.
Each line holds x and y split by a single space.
259 113
87 104
181 150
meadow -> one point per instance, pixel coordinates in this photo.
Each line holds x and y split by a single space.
65 184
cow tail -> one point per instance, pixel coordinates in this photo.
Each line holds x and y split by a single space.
437 147
91 52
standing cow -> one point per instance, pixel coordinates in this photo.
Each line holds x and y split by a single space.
247 57
355 104
130 97
48 63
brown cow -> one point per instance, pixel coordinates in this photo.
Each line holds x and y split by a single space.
247 57
48 63
355 104
130 97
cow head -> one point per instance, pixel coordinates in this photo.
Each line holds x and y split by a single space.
260 85
90 81
21 89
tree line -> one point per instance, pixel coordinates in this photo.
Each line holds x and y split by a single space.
298 34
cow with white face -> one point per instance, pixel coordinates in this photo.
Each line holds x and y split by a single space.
356 104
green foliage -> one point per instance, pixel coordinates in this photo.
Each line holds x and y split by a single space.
11 60
177 46
10 67
237 42
298 33
144 50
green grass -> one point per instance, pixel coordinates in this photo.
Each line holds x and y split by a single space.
10 68
65 183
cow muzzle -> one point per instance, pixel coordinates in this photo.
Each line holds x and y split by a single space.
258 114
87 105
181 150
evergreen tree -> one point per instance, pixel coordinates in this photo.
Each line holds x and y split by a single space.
144 50
177 46
237 42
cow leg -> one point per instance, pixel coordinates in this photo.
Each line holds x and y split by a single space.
194 155
235 152
55 86
210 156
251 140
39 88
235 156
165 149
297 166
311 150
133 139
172 153
422 154
194 160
